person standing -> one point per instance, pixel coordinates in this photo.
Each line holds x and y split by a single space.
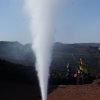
82 72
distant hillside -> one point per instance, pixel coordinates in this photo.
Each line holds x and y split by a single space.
16 53
62 54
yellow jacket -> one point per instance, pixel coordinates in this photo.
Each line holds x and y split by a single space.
83 68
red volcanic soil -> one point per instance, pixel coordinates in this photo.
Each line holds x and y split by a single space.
76 92
16 91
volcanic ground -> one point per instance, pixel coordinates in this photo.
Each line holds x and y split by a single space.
18 91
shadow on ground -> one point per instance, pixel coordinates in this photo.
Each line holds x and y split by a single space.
20 91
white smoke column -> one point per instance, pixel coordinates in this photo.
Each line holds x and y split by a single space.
41 22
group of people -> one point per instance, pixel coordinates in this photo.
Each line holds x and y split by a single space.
80 73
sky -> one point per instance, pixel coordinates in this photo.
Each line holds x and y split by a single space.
76 21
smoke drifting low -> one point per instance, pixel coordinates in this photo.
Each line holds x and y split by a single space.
40 13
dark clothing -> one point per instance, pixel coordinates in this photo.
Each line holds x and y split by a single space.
69 71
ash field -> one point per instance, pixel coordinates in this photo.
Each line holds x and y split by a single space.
18 79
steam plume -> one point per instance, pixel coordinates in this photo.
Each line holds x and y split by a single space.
41 24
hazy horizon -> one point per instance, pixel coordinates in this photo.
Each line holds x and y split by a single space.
55 42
